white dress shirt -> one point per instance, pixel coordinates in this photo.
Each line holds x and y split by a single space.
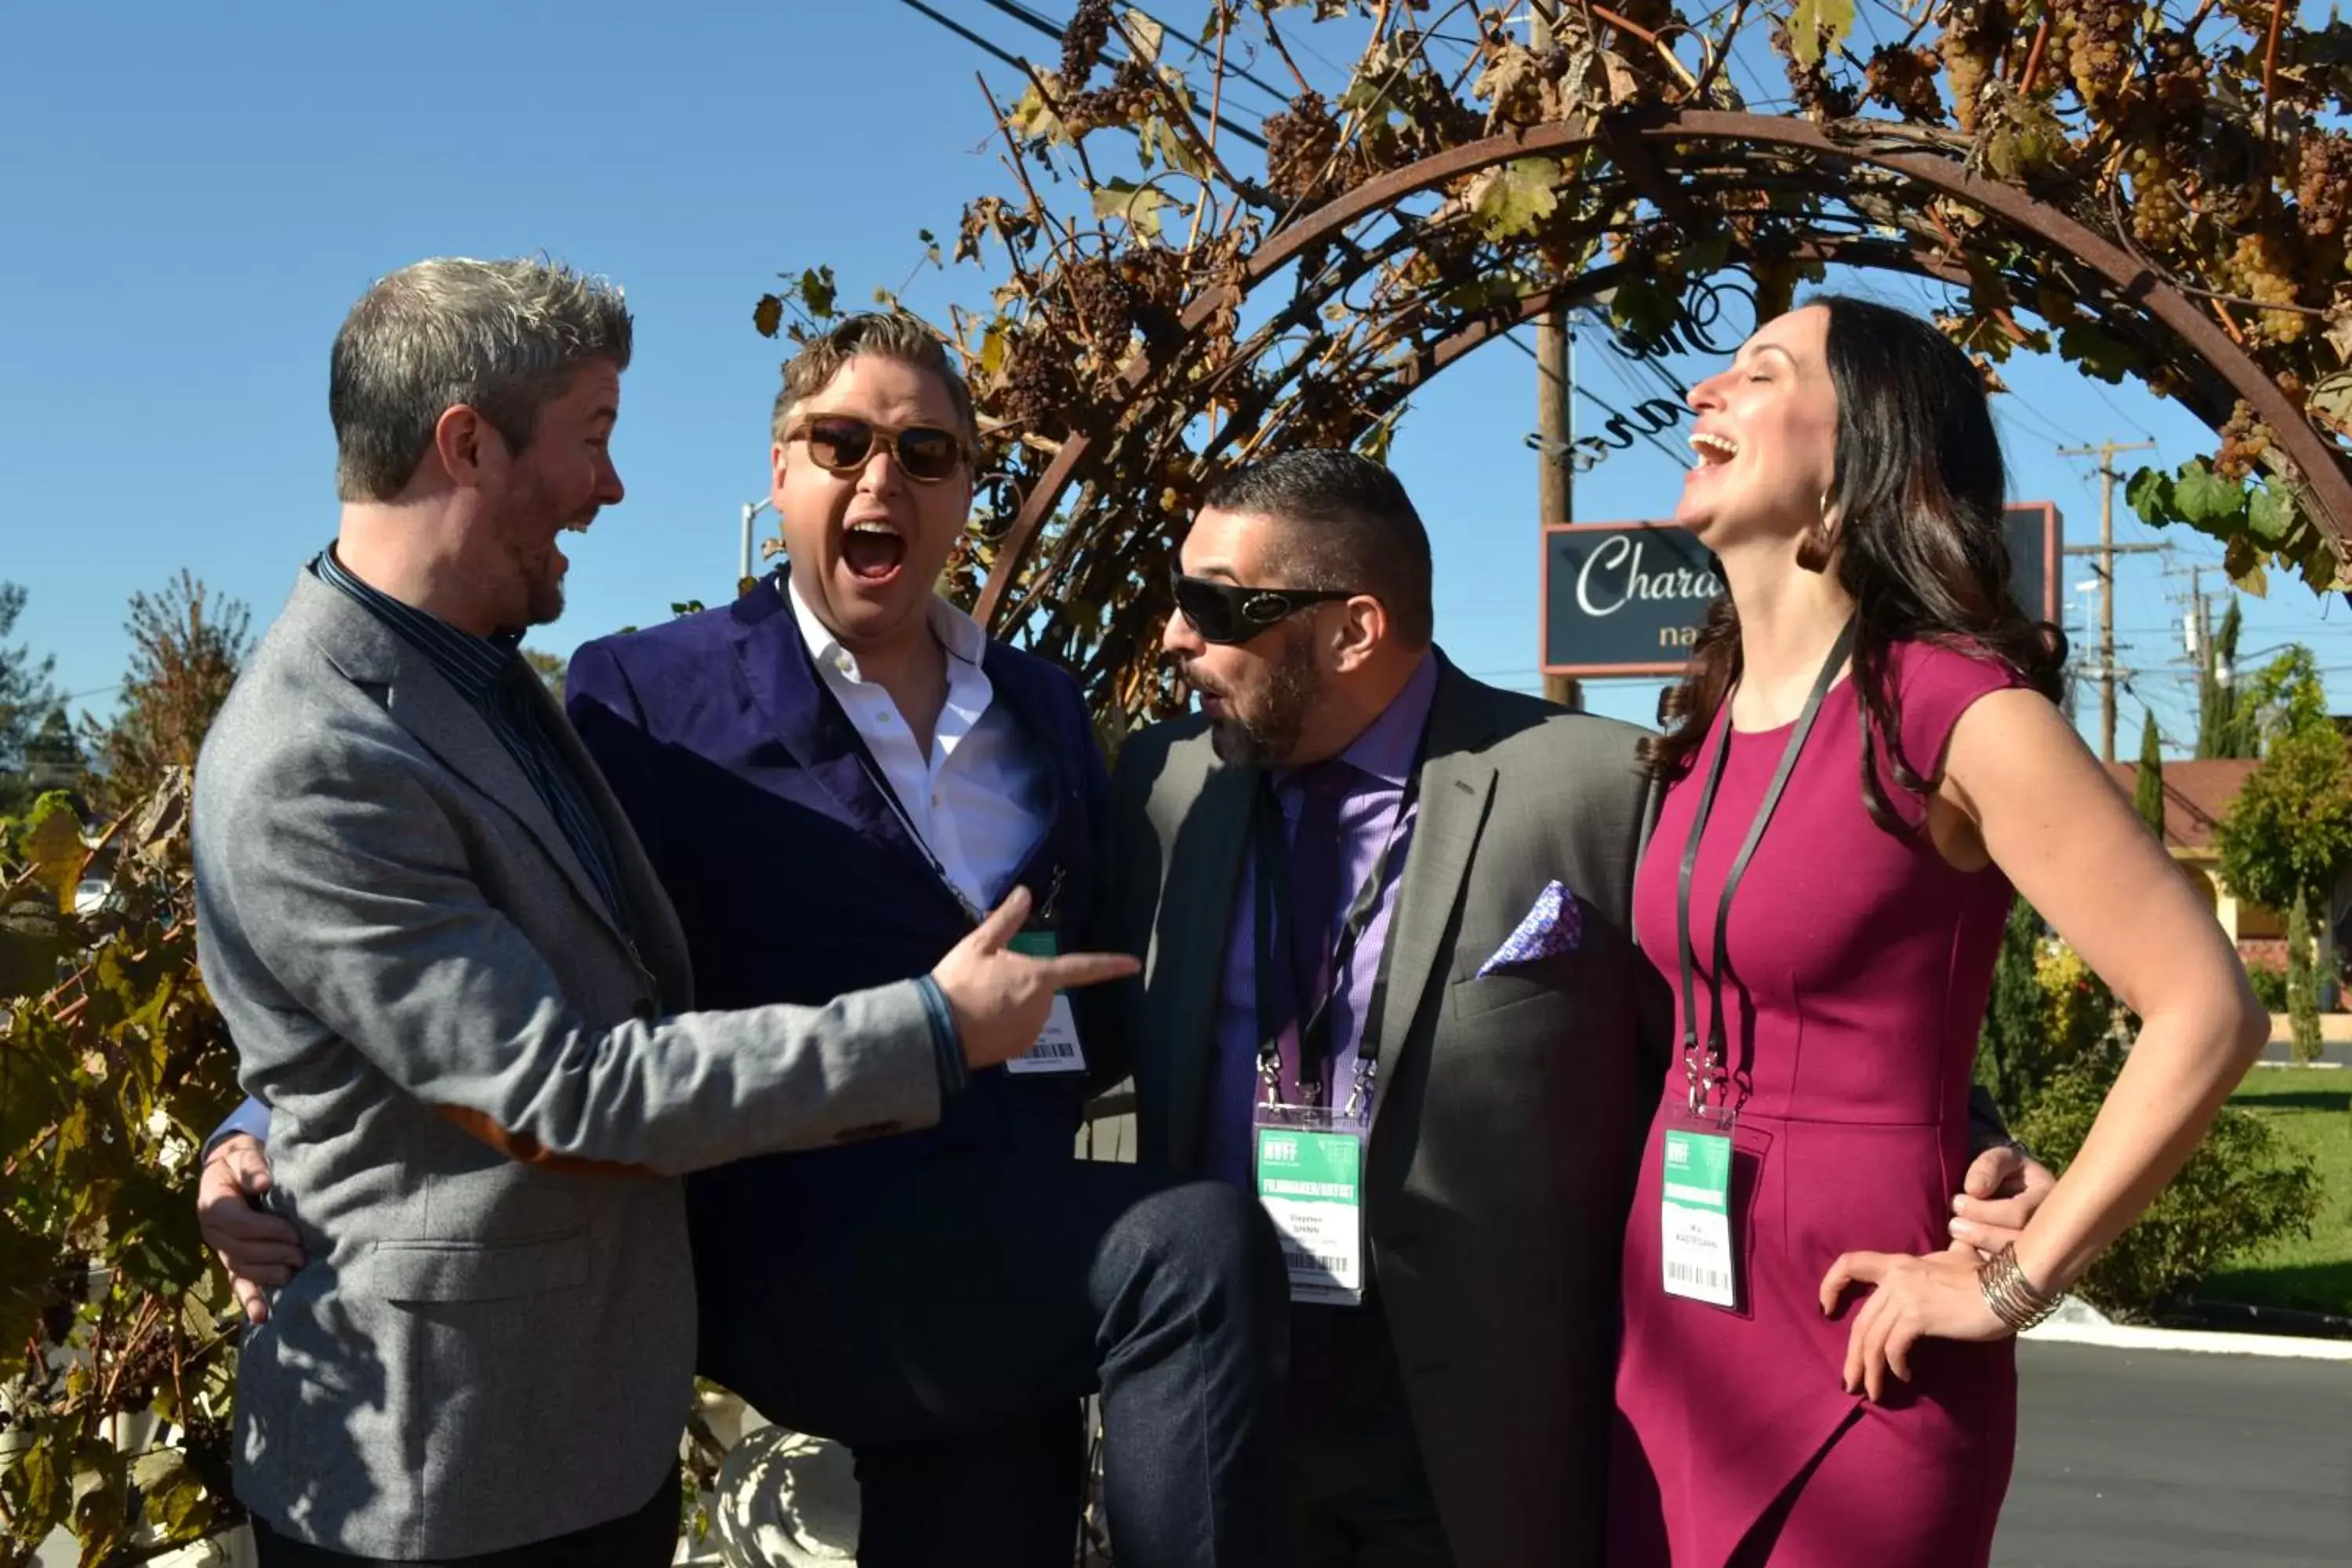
982 801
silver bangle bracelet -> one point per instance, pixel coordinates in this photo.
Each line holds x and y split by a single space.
2014 1299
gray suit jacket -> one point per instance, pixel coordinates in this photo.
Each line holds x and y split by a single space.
484 1349
1510 1110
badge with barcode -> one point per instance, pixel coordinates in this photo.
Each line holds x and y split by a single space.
1697 1218
1310 1179
1058 1049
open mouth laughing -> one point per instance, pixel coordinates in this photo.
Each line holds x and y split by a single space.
873 549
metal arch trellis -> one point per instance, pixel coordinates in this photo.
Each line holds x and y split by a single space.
1667 136
1388 240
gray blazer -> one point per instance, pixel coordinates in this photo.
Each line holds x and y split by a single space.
487 1348
1510 1110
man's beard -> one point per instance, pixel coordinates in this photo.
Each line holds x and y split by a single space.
540 583
546 599
1269 736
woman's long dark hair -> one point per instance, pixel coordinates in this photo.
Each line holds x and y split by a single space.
1919 489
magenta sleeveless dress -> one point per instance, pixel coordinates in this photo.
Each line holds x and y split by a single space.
1860 964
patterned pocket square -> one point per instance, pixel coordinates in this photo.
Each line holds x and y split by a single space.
1554 926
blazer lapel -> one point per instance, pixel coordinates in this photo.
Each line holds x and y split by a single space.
424 704
653 930
1068 841
1456 785
1204 866
781 674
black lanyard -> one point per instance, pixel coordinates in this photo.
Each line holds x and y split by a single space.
1707 1078
1273 873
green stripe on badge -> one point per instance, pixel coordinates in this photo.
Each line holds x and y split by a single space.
1699 1169
1297 1163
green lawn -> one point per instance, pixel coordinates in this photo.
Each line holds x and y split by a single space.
2311 1111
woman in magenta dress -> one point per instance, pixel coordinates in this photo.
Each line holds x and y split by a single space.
1813 1372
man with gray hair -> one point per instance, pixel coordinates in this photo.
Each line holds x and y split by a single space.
462 994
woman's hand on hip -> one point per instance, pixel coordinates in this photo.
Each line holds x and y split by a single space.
1934 1297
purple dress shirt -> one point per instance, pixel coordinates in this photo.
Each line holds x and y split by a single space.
1383 758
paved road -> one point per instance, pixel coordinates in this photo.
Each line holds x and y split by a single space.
2172 1459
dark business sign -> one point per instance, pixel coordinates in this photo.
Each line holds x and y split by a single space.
1626 598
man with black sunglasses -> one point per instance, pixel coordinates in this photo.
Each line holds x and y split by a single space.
1389 987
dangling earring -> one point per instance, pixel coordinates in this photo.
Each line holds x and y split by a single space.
1815 549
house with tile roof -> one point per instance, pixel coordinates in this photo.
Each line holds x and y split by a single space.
2197 796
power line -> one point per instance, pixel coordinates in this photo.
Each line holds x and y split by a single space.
1200 47
1046 25
966 34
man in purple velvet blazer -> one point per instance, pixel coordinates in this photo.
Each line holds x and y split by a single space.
832 777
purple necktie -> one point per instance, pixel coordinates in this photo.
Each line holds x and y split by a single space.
1313 915
1313 908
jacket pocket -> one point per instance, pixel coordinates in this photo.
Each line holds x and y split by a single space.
476 1271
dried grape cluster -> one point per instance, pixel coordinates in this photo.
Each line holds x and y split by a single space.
2096 36
1970 49
2175 76
2323 187
1083 41
1299 147
1903 80
1155 290
1036 395
1126 101
2244 441
1105 303
1817 94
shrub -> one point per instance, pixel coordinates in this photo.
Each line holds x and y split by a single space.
2240 1190
108 1080
2302 982
2269 985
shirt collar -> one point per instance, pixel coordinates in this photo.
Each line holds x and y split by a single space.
472 664
1388 745
958 633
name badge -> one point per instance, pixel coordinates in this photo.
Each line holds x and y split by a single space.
1310 1179
1696 1218
1058 1049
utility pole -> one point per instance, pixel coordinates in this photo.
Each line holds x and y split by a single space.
1555 375
752 509
2107 549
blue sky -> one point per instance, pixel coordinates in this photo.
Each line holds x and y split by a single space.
194 196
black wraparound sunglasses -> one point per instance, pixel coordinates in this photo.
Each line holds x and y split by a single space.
1229 613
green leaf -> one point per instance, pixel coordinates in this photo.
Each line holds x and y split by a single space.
1810 19
2208 502
2244 562
1514 197
1032 120
28 1263
767 315
1643 307
817 292
1158 136
2268 518
172 1494
1139 205
36 1490
2099 352
2150 494
102 1499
